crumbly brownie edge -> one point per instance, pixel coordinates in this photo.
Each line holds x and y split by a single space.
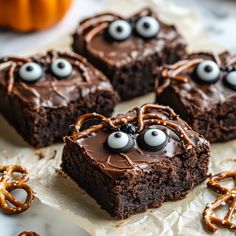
218 124
46 126
168 180
134 79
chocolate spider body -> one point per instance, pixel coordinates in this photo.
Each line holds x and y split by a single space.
110 162
128 50
42 95
201 89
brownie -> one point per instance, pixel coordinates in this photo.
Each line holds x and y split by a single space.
128 50
42 95
136 160
202 90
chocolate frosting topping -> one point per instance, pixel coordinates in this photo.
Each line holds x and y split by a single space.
115 53
51 91
181 138
180 77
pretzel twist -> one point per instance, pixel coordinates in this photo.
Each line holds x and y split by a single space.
227 195
8 184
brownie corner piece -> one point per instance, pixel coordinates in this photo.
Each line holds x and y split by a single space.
137 160
128 50
42 95
201 88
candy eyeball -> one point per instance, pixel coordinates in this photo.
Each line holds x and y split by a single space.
30 72
61 68
152 139
119 30
147 27
230 80
119 142
208 71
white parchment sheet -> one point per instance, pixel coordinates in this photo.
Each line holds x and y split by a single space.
173 218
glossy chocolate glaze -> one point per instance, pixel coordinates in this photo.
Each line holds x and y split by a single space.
92 140
195 95
117 54
51 92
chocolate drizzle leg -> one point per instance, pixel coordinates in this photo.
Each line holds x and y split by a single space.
144 118
135 160
78 62
43 94
128 58
206 100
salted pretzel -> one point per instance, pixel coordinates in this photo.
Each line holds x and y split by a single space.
8 183
226 195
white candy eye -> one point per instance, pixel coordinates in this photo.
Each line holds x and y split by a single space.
119 142
30 72
119 30
147 27
152 139
208 71
61 68
230 80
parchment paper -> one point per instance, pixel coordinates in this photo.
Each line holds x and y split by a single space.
173 218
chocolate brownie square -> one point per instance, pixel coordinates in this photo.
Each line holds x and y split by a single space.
42 95
128 50
202 90
136 160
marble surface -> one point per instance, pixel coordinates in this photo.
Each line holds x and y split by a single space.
39 218
217 17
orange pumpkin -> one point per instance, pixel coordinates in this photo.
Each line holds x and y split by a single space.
29 15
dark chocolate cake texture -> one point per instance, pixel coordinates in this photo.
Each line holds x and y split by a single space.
128 50
43 94
136 160
202 90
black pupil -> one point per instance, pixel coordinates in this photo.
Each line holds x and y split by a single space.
208 68
29 68
119 29
154 133
61 65
118 135
146 25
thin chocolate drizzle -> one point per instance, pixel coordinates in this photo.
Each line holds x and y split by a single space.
144 117
130 164
101 22
78 62
93 26
173 72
